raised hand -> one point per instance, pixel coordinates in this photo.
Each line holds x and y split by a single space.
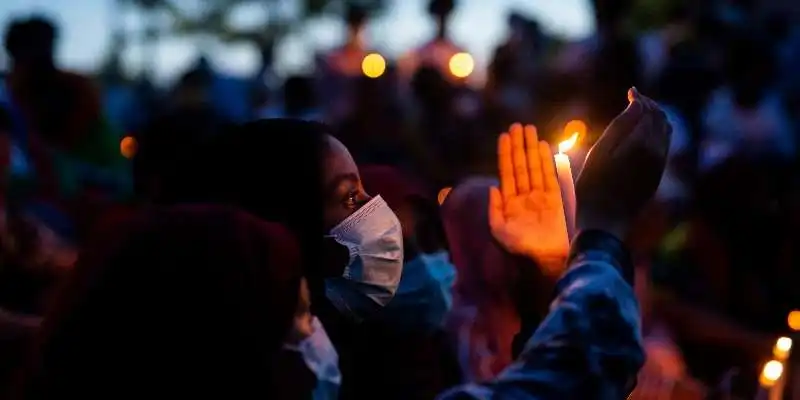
624 168
526 214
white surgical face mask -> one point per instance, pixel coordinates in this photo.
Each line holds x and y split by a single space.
322 359
374 239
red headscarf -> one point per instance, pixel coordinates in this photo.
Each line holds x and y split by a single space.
484 317
187 301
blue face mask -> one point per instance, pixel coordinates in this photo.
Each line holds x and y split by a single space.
322 359
425 295
374 239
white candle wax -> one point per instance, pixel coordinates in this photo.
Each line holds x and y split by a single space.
567 184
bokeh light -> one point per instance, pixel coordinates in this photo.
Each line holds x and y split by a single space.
771 373
443 194
794 320
128 147
373 65
461 65
575 126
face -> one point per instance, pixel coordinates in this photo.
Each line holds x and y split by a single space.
343 191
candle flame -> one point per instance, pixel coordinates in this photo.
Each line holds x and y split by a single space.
568 144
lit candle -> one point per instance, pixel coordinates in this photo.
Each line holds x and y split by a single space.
567 183
782 348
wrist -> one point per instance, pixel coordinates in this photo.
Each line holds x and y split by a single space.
600 243
618 230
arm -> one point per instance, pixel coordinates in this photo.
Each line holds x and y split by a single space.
589 345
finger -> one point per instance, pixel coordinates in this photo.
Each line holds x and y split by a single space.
497 216
508 185
534 159
520 161
549 176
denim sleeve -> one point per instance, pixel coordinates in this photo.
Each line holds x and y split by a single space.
589 346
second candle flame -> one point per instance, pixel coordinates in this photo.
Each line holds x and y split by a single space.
568 144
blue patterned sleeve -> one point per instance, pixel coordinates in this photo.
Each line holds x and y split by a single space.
589 346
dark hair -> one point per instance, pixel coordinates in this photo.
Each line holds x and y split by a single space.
355 16
271 168
165 144
441 8
36 32
298 95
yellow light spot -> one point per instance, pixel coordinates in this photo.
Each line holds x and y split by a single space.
771 373
443 194
373 65
128 147
568 144
794 320
461 65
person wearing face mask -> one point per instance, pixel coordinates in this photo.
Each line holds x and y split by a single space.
295 173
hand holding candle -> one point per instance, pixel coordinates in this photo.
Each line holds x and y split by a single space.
526 214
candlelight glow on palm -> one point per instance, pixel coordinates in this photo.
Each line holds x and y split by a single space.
568 144
373 65
771 373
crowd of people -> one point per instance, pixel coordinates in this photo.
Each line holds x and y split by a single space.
345 236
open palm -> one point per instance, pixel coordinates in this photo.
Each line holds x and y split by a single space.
526 214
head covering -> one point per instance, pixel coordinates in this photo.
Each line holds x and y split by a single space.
484 318
187 301
271 167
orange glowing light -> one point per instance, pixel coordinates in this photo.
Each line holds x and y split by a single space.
128 147
794 320
461 65
373 65
443 194
568 144
575 126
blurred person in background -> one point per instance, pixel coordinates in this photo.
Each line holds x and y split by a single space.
747 113
338 69
727 287
514 67
437 52
374 129
298 101
485 318
62 129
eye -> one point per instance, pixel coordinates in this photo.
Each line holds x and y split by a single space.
352 199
